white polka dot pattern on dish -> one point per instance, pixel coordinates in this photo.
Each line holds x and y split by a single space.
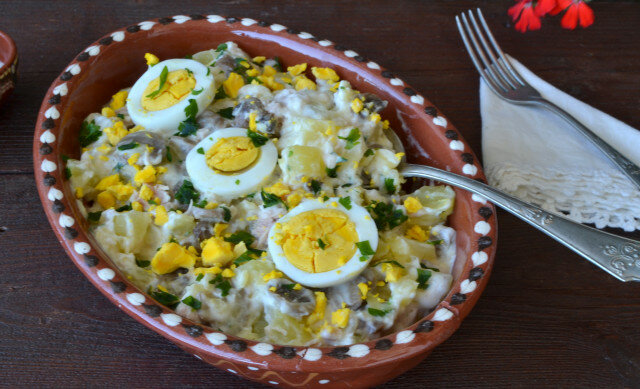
232 371
146 25
312 354
248 22
325 43
48 166
171 319
478 199
273 382
350 53
305 35
440 121
179 19
47 137
358 350
62 89
373 65
106 274
456 145
66 220
81 247
467 286
92 51
262 348
136 298
252 368
73 69
322 382
54 194
277 27
482 228
214 18
52 113
479 257
442 314
396 82
215 338
118 36
470 169
417 99
405 337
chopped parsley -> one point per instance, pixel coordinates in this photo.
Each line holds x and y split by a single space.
126 207
208 71
333 172
369 153
321 244
142 263
189 73
163 80
221 48
345 201
191 110
196 92
256 138
165 298
226 113
89 133
237 182
352 138
121 116
270 199
315 186
94 216
65 158
423 278
221 284
435 242
67 173
192 302
389 185
200 150
365 250
386 216
278 64
128 146
244 257
226 214
422 265
199 277
169 156
189 126
378 312
187 193
240 236
220 93
201 204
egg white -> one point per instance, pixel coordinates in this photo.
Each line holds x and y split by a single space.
207 181
365 228
168 119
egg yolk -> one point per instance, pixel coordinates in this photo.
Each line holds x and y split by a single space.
178 85
232 154
319 240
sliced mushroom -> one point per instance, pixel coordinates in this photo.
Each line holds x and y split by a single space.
348 293
153 140
215 215
226 63
203 230
374 103
243 110
286 299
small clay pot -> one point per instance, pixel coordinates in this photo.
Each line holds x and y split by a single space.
116 60
8 66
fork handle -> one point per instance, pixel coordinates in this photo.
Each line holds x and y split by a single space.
616 255
629 168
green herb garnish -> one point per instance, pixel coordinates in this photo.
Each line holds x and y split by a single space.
333 172
200 150
94 216
220 93
369 153
128 146
321 244
89 133
256 138
240 236
346 202
199 277
435 242
196 92
378 312
165 298
423 278
389 185
142 263
226 113
224 286
169 156
186 193
221 47
386 215
226 214
352 138
365 248
315 186
244 257
395 263
163 80
67 173
270 199
192 302
126 207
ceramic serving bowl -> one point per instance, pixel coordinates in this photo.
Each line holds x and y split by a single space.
116 61
8 66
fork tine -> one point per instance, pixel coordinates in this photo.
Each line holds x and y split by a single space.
496 88
501 57
480 52
498 66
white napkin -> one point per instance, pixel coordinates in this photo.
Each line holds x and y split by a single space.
538 157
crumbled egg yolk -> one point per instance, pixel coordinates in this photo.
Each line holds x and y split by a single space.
137 206
301 233
364 289
170 257
228 273
393 273
161 215
133 159
417 233
318 310
233 84
118 100
146 193
302 82
357 105
108 112
206 270
278 189
297 69
116 132
216 251
106 200
325 74
232 154
340 317
259 59
271 275
412 205
178 85
145 176
151 59
219 228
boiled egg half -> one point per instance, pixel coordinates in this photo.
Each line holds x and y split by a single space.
320 244
157 101
227 163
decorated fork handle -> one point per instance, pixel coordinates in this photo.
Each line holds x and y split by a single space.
629 168
616 255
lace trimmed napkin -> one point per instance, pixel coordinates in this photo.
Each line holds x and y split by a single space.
539 158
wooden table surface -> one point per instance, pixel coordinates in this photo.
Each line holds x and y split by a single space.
547 318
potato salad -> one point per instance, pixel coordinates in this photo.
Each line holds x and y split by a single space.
262 200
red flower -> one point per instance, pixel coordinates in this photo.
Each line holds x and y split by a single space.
578 10
524 13
545 6
561 5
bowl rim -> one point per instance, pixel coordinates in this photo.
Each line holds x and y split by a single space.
430 330
13 52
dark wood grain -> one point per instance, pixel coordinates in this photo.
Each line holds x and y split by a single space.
548 318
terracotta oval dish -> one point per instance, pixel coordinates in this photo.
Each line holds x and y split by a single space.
8 65
114 62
